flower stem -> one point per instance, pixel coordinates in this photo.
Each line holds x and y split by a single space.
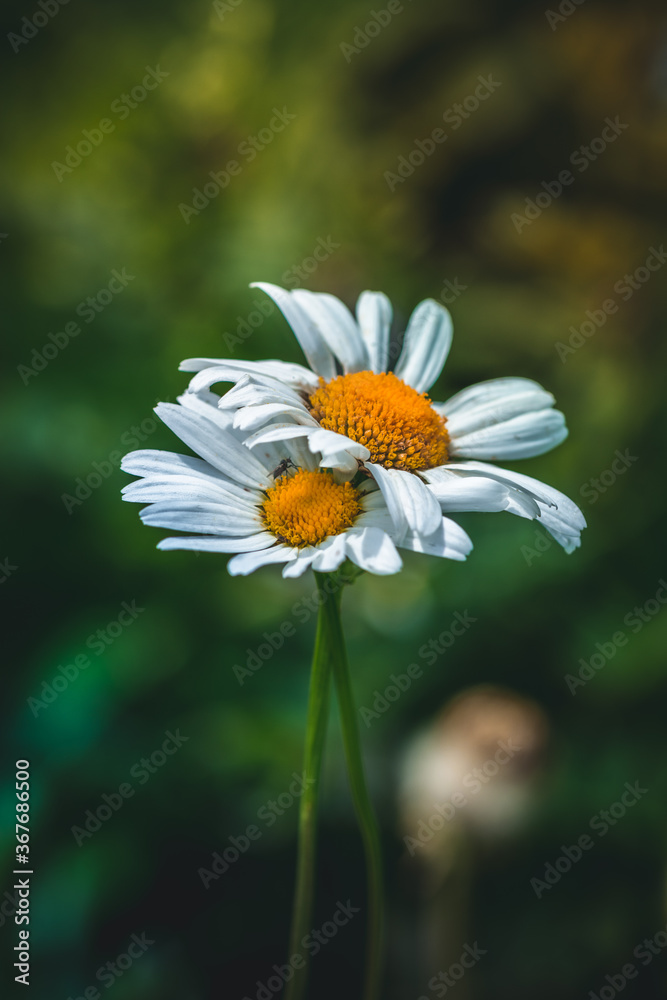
316 728
361 798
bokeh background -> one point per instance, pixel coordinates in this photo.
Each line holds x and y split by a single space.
520 288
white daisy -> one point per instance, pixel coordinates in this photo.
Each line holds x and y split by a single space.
274 504
353 412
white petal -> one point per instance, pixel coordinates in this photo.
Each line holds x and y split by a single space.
250 417
473 493
341 463
338 451
151 462
410 501
272 455
298 451
219 448
426 345
488 404
373 550
242 372
380 518
337 327
313 345
516 499
374 315
206 518
373 499
198 364
330 554
261 540
253 391
569 542
489 472
330 442
287 372
204 396
304 560
188 489
248 562
558 514
521 437
198 403
566 508
483 392
278 432
449 541
560 526
286 441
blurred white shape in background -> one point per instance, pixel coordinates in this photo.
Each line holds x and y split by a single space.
466 786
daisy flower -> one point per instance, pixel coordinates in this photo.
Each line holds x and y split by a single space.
426 457
274 504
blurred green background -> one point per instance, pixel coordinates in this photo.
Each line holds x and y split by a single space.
520 287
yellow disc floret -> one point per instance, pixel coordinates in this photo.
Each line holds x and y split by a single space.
307 507
396 423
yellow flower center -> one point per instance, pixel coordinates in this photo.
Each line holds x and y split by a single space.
396 423
307 507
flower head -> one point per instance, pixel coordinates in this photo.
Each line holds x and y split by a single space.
274 504
397 424
353 411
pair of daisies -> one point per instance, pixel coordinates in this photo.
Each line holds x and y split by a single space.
345 459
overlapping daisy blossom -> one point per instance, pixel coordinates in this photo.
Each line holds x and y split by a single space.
274 504
427 458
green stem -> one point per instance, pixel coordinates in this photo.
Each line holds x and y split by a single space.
360 796
316 728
